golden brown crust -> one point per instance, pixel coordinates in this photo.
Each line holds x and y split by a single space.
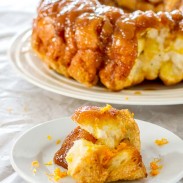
89 41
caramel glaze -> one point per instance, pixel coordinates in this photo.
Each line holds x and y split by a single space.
144 5
88 41
76 134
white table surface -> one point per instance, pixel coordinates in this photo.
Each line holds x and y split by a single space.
23 105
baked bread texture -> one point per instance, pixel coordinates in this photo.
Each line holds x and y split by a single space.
117 45
104 148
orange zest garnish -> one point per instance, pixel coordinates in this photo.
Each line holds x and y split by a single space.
126 98
154 172
57 175
155 167
49 163
49 137
106 108
35 164
34 170
161 142
137 93
58 142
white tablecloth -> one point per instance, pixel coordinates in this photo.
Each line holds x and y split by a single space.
23 105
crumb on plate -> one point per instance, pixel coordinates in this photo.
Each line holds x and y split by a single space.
58 174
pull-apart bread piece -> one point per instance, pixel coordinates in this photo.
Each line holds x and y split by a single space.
105 146
92 42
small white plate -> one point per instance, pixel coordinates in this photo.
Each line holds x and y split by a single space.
36 72
34 145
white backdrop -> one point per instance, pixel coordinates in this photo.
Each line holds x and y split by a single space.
23 105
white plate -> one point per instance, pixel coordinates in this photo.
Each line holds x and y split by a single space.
34 145
36 72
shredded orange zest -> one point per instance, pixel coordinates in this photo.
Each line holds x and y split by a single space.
161 142
126 98
35 164
49 137
57 175
106 108
58 142
49 163
34 170
155 167
154 172
137 93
